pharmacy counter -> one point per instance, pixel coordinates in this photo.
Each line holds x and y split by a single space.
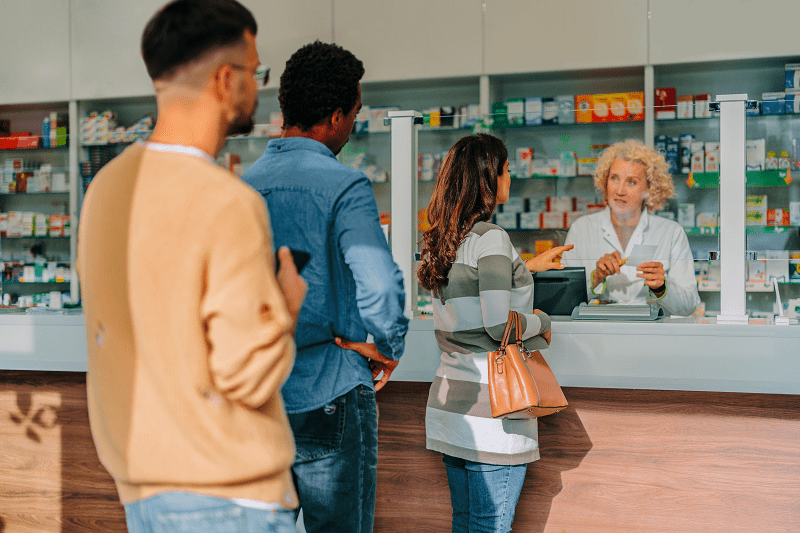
42 341
668 354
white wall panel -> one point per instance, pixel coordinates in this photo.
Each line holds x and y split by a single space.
106 57
286 25
411 39
34 51
547 35
705 30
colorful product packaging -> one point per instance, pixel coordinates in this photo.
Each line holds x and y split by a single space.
792 80
701 102
773 103
685 106
584 103
665 103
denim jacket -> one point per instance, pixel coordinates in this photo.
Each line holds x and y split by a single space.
318 205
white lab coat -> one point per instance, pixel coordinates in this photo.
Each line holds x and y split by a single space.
594 236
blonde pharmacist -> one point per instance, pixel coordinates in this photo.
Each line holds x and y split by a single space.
635 181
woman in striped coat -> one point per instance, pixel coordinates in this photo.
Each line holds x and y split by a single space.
476 276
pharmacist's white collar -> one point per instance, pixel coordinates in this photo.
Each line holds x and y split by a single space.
179 149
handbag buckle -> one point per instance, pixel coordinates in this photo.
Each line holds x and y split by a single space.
499 362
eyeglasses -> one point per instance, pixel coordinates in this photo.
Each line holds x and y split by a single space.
261 74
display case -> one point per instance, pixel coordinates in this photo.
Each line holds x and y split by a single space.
36 237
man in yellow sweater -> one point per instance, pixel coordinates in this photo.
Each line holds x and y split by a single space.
189 330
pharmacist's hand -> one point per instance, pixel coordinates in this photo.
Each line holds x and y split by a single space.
548 260
377 361
606 266
653 274
291 284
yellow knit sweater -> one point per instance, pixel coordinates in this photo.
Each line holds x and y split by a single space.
188 333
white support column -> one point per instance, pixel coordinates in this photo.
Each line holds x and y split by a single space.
404 200
649 107
732 183
75 188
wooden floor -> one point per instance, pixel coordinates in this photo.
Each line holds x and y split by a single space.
616 461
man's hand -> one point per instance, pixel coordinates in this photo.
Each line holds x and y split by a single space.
546 260
291 284
377 361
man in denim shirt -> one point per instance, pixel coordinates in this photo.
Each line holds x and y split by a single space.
318 205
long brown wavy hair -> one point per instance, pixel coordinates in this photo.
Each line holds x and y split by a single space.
465 193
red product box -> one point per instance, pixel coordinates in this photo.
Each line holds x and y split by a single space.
665 103
778 217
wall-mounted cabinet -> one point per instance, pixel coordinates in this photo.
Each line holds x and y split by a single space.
35 44
412 39
683 31
542 35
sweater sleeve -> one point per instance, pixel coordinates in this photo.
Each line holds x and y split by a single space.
247 324
495 258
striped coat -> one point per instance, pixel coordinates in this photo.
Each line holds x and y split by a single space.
487 279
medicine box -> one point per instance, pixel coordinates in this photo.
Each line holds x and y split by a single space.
635 105
618 107
665 103
515 204
794 213
685 106
792 101
707 219
701 102
792 76
566 108
600 110
533 111
583 108
773 103
529 220
507 220
516 111
686 215
756 154
549 111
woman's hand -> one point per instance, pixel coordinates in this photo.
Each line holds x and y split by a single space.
546 260
654 276
607 265
377 361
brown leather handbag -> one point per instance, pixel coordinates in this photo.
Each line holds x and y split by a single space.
521 385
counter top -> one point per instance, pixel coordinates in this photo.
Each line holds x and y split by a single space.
667 354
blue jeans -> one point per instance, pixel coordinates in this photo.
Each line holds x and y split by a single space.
173 512
484 497
336 468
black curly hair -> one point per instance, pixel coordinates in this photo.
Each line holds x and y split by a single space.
185 30
319 79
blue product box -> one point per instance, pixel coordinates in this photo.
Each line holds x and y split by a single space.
792 102
508 220
773 103
753 112
673 147
661 144
792 76
533 111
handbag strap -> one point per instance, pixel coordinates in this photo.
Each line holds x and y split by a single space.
514 323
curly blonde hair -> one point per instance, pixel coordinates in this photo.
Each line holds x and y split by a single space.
659 180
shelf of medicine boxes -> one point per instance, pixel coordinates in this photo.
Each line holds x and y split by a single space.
754 178
750 286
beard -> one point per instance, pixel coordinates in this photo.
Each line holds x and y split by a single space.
244 122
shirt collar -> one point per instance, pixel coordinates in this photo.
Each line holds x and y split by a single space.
179 149
286 144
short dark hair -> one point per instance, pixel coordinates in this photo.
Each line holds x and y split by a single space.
319 79
185 30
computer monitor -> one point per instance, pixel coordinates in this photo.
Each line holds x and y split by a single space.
557 292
